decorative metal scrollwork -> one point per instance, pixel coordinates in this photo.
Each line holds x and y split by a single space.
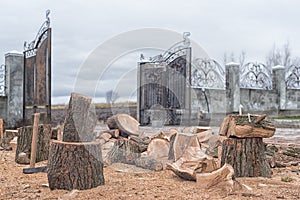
207 73
2 80
293 77
175 51
255 76
30 48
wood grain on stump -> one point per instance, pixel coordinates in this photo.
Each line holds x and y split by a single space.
246 156
75 165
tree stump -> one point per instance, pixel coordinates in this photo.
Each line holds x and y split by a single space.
25 140
75 165
246 156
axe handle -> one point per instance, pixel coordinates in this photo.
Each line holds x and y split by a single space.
34 139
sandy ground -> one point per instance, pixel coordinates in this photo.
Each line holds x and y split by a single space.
129 182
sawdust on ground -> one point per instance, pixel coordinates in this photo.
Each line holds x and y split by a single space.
129 182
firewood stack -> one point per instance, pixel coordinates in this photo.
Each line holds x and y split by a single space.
243 146
76 162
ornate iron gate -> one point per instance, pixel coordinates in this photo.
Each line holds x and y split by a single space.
164 86
37 74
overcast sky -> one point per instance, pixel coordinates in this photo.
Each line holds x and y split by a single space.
80 27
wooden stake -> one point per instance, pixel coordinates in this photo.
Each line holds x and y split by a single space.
34 139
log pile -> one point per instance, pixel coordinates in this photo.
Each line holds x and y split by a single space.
76 162
243 146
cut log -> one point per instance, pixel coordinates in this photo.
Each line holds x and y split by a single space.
172 139
80 120
75 165
1 128
149 163
111 122
240 126
127 125
246 156
224 174
123 151
7 137
158 148
225 126
105 136
182 141
25 139
141 142
113 132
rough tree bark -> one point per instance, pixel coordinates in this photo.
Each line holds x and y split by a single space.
80 120
75 165
25 139
246 156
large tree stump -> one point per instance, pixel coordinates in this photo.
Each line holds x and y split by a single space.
75 165
246 156
80 120
25 140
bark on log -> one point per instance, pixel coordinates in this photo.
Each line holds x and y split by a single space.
111 122
75 165
224 174
123 151
246 156
25 140
149 163
80 120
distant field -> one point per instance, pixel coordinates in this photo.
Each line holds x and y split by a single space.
288 118
102 105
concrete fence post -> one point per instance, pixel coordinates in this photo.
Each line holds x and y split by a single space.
279 85
233 97
14 86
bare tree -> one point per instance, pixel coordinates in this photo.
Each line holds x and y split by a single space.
232 58
111 96
281 56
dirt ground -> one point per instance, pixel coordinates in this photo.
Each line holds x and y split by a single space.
129 182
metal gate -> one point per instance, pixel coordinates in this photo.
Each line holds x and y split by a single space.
37 74
164 86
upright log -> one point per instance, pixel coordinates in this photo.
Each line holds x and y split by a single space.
75 165
80 120
246 156
25 140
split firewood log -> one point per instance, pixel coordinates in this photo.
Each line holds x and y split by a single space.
158 148
247 126
208 180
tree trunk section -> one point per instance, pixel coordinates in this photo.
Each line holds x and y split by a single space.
25 140
246 156
75 165
80 120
